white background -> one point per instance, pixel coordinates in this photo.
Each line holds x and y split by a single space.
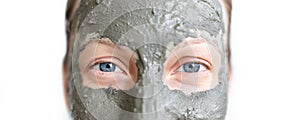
265 57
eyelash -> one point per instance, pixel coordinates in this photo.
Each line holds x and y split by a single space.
187 60
201 66
96 65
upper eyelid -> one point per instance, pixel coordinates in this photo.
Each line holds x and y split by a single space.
112 50
101 40
177 55
100 60
182 61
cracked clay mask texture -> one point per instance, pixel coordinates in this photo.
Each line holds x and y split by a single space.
151 29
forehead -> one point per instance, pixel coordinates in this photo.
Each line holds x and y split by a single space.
155 21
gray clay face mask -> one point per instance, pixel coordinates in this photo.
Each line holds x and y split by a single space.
145 60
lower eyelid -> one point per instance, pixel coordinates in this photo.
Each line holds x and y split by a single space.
191 78
107 74
199 72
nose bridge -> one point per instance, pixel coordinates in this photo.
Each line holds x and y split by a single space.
151 59
152 76
151 54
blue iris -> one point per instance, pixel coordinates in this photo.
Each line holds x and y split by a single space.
107 67
191 67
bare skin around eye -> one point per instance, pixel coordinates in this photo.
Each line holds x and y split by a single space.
106 51
192 50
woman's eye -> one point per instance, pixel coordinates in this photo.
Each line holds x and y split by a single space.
192 67
107 67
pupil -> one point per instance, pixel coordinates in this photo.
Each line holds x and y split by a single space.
107 67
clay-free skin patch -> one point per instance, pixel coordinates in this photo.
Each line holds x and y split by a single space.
104 64
189 66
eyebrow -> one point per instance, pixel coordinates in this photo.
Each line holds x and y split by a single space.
200 41
193 41
102 40
109 43
106 41
188 42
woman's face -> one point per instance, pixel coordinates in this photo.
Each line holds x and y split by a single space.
141 59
